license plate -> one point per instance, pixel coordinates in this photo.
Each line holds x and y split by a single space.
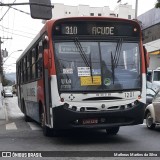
90 121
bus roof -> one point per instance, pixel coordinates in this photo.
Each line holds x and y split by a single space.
50 23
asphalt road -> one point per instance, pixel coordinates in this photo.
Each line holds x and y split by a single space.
18 135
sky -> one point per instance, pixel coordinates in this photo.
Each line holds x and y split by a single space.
17 28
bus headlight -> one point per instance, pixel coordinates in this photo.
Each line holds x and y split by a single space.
82 109
66 105
122 107
74 108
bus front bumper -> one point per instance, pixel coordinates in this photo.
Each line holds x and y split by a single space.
64 118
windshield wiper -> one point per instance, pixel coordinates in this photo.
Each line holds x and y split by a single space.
115 59
117 53
81 51
84 56
113 67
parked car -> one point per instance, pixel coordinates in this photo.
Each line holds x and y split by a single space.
8 93
149 96
153 76
152 112
14 89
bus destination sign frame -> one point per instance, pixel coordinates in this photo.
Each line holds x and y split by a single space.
102 28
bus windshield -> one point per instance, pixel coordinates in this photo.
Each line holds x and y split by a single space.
97 66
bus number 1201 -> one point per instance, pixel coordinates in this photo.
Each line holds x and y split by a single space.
129 94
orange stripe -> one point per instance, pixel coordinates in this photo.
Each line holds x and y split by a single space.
155 52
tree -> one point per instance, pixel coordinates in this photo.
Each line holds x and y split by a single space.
6 82
157 5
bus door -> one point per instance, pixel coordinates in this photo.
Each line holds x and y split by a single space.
19 88
47 87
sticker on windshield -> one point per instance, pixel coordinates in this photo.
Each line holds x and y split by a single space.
90 81
67 71
66 81
96 71
66 86
72 49
107 81
84 71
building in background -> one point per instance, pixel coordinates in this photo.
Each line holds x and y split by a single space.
122 10
150 22
125 11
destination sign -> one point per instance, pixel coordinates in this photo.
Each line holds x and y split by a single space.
103 30
96 28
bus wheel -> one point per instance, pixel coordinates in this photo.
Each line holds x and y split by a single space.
46 130
27 119
112 131
149 121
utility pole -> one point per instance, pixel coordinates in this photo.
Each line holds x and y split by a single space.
1 59
1 70
136 9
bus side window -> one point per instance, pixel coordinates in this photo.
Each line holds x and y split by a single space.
28 66
19 77
21 71
25 69
33 63
39 64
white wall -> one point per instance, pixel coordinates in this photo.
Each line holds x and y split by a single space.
153 46
106 11
154 62
124 10
96 10
70 11
154 58
83 10
61 11
58 11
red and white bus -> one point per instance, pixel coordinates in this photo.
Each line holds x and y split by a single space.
84 72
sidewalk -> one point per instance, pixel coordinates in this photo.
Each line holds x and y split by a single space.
2 109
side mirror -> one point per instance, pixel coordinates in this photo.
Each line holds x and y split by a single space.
41 9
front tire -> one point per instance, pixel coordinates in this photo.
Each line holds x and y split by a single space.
149 121
48 132
27 119
112 131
